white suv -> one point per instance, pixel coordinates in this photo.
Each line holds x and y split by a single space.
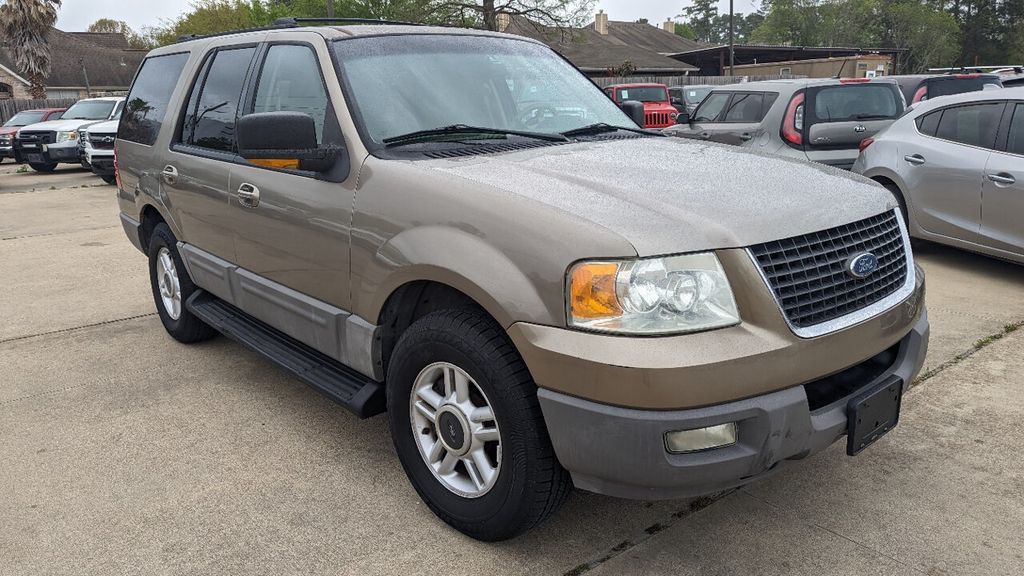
46 144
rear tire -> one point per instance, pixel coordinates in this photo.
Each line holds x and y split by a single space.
38 167
507 479
109 178
172 288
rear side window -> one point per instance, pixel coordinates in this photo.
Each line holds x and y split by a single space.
290 82
851 102
745 108
712 107
146 106
929 123
972 125
1015 139
213 106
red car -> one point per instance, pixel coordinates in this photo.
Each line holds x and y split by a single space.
658 109
23 118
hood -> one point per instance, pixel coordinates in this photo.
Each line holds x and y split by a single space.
668 195
658 106
59 125
9 130
107 127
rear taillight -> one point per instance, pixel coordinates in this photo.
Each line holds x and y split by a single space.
793 123
117 173
865 143
854 80
921 94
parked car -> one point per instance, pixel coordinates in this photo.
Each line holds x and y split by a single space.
956 166
658 109
581 302
1012 80
19 120
819 120
919 87
687 98
97 148
46 144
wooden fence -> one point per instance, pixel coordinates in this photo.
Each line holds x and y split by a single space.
9 108
685 80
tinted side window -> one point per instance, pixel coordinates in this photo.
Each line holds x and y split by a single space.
745 108
290 82
1015 140
929 123
147 102
210 118
712 107
972 125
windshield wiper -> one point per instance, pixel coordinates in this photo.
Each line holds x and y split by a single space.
457 129
602 127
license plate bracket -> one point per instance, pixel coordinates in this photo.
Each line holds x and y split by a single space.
872 414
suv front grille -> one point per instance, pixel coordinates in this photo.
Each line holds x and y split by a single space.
809 274
656 119
102 141
37 137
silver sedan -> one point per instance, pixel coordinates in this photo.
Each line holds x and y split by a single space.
956 166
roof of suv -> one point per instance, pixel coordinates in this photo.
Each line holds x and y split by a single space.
1015 93
798 83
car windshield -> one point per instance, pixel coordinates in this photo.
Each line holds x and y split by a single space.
643 94
90 110
695 95
403 84
25 118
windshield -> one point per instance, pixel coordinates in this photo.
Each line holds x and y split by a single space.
401 84
643 94
25 118
90 110
695 95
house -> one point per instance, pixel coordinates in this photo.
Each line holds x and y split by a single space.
82 64
604 46
809 61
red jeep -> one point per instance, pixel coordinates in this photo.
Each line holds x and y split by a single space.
658 109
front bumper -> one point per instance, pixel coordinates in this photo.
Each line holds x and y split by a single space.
621 451
101 162
6 151
65 152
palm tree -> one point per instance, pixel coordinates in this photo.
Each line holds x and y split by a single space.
25 25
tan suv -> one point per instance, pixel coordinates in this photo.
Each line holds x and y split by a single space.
460 229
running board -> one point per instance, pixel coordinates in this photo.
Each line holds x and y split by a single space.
360 394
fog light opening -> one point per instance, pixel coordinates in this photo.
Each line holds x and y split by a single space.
700 439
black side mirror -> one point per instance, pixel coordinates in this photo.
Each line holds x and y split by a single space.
635 110
677 101
683 117
283 140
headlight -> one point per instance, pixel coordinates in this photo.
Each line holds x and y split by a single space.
668 295
65 136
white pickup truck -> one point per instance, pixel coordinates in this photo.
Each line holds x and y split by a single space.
46 144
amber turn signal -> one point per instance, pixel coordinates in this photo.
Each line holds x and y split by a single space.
280 163
592 287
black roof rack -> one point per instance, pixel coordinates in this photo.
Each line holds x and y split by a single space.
291 21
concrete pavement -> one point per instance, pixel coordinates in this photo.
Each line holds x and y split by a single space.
125 452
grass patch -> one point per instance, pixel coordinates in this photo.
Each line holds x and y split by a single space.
978 345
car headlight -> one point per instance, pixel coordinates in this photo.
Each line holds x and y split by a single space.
666 295
66 136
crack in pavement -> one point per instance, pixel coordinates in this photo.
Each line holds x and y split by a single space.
64 330
978 346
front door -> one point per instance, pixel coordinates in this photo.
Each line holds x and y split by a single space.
1002 225
295 232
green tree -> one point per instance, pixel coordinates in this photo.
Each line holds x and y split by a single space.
700 17
930 36
685 30
108 25
25 25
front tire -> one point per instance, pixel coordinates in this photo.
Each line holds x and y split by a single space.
109 178
172 288
468 428
40 167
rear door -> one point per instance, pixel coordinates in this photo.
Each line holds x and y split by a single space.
839 116
943 169
1002 224
706 121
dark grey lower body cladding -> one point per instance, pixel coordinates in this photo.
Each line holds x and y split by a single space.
362 395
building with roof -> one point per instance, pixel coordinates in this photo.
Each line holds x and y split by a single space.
607 45
82 64
795 60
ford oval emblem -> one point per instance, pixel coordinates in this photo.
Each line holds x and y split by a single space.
862 265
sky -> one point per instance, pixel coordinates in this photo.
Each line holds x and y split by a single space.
76 15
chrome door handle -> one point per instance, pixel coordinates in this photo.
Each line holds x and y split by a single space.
248 195
746 136
705 135
1002 178
915 159
170 174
